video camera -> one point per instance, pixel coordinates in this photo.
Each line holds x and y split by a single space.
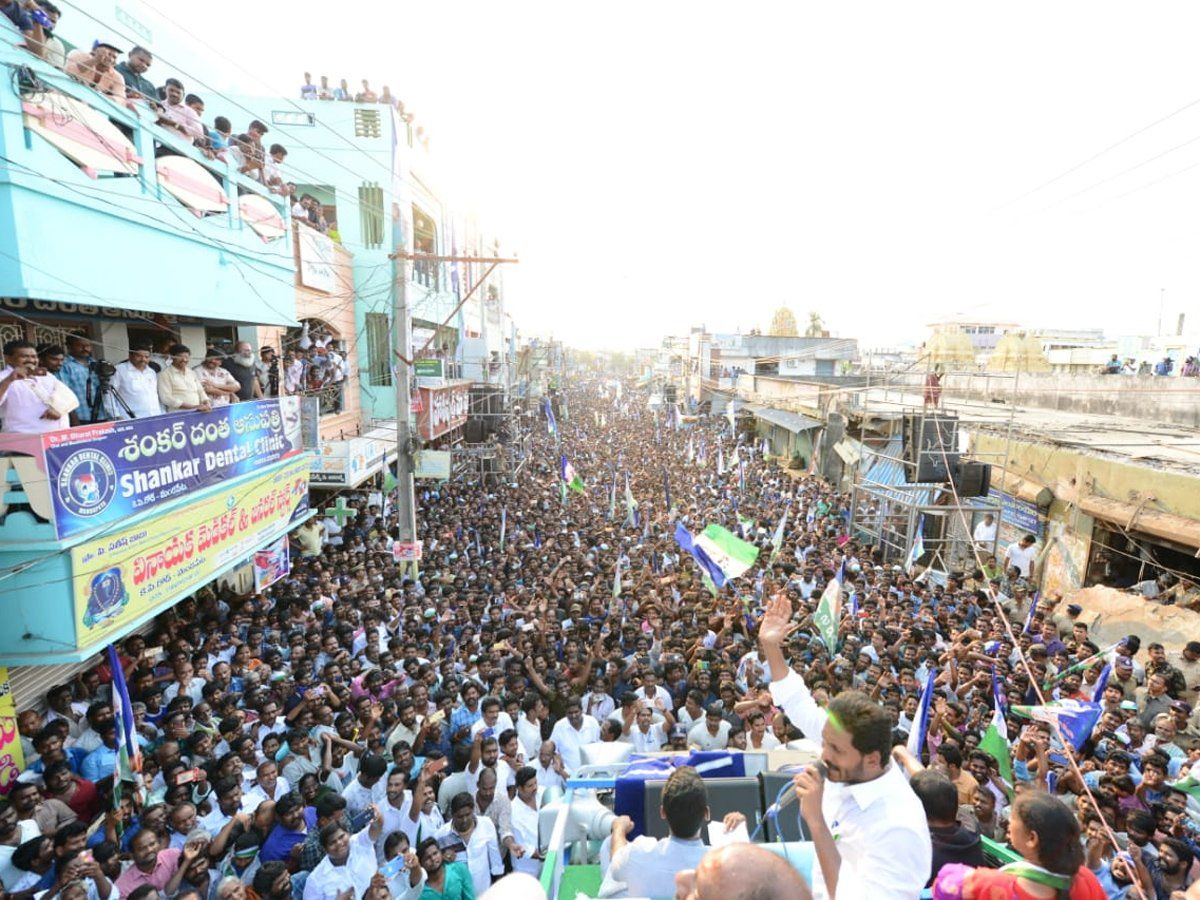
102 369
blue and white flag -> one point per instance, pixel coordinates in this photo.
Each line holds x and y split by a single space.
129 754
918 546
1101 683
667 490
721 555
503 527
631 505
916 736
1075 719
854 604
777 537
551 424
1033 604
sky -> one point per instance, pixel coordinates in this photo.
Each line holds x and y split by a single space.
664 165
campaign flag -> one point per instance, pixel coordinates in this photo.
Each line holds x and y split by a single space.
537 540
722 555
1190 785
854 604
551 424
390 483
617 580
742 475
612 498
918 547
1033 605
666 490
828 616
503 527
691 451
129 754
1074 719
720 461
995 739
745 526
631 505
916 736
777 537
1101 683
840 574
570 477
729 411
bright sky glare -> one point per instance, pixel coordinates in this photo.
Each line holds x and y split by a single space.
668 164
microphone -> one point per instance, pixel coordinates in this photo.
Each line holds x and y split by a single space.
790 795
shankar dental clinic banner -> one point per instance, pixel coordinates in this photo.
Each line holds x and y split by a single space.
105 473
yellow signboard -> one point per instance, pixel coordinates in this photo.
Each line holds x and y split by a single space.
121 576
12 760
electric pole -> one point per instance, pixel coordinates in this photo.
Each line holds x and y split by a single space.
402 337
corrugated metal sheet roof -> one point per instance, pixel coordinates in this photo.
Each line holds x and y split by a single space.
884 473
793 422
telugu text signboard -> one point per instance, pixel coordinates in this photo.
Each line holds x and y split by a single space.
443 409
100 474
119 577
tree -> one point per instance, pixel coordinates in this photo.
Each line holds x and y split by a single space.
816 327
783 323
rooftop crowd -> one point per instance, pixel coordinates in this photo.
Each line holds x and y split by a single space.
355 733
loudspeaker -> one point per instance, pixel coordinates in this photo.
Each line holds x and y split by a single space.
930 447
790 827
973 479
670 393
475 431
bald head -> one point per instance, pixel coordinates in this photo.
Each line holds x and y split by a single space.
742 872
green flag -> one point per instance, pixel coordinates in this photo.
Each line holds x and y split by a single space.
829 614
995 744
617 580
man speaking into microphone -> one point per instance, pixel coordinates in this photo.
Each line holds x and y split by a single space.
868 827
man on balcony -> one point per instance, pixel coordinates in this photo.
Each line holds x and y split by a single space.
97 69
179 115
137 384
76 373
222 388
133 71
241 365
178 385
25 397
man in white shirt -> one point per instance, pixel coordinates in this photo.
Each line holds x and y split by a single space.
525 810
984 534
268 785
868 828
548 765
349 863
395 810
369 788
712 733
646 867
135 385
759 737
485 754
529 724
479 835
25 398
572 732
639 728
492 720
1022 554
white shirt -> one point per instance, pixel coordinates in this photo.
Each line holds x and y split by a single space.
26 401
483 853
358 797
699 736
568 740
10 874
879 825
547 778
525 832
1021 557
984 533
646 867
258 795
138 388
530 736
504 775
327 880
651 741
599 706
503 723
769 741
396 820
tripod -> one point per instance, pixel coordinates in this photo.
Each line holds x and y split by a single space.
104 388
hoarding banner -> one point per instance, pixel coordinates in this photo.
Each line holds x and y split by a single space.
12 759
117 578
104 473
442 409
432 464
271 563
430 372
347 462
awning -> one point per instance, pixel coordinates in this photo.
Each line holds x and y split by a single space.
793 422
886 476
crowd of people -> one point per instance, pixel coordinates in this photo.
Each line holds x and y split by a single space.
357 731
49 387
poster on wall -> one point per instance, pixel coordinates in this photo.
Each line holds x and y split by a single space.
120 577
272 563
12 758
103 473
1017 518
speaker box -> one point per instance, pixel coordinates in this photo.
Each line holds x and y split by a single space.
930 447
790 827
974 479
475 431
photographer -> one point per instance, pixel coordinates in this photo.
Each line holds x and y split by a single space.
78 373
136 383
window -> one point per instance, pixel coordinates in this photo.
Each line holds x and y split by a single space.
379 350
286 117
370 212
424 241
367 123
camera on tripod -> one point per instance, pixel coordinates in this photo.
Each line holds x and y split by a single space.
102 369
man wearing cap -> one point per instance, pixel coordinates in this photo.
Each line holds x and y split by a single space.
97 69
